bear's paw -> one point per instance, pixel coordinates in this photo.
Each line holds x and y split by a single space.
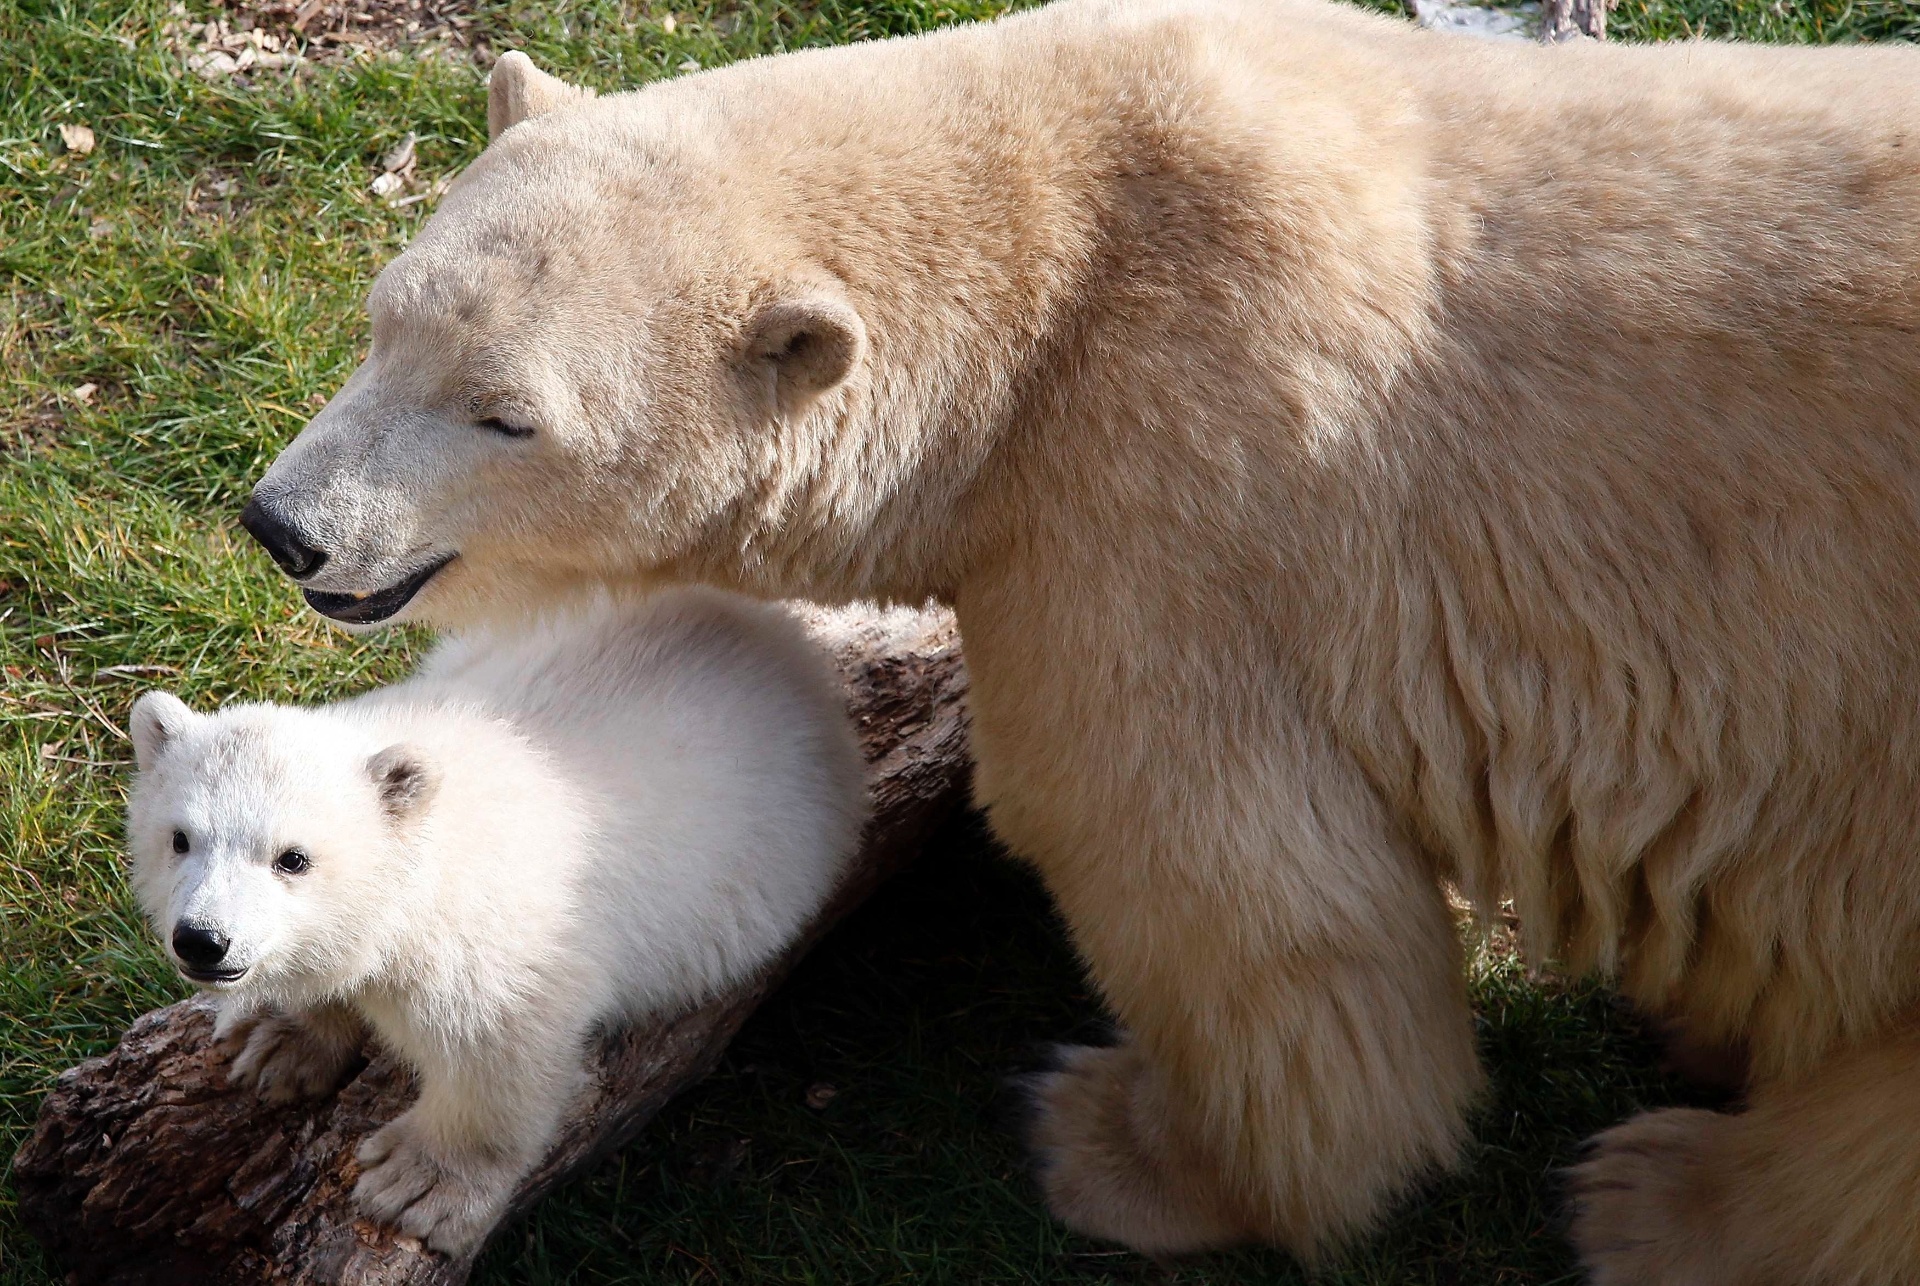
1643 1213
1107 1164
426 1192
287 1058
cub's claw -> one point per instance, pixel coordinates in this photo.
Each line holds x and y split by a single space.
288 1058
408 1183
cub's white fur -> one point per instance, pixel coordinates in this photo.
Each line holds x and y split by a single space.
541 831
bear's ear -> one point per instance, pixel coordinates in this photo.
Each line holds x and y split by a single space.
805 342
157 718
405 780
518 91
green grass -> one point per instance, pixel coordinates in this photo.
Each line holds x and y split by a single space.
1803 21
203 270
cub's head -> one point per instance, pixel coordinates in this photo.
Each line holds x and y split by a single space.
269 844
615 352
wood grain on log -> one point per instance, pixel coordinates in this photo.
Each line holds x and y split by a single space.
145 1168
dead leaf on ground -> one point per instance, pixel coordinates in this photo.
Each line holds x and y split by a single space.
77 139
400 159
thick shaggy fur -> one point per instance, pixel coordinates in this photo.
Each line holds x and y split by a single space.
1360 460
610 815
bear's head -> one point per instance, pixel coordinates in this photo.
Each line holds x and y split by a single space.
643 337
270 845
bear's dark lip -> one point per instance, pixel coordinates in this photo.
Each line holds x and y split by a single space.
365 609
213 976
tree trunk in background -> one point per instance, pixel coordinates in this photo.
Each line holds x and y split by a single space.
145 1168
1564 19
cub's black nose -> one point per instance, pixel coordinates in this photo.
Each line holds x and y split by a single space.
198 947
296 557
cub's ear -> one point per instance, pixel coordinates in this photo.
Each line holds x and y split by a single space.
805 343
158 717
518 91
405 780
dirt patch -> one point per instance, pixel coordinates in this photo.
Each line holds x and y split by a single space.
246 39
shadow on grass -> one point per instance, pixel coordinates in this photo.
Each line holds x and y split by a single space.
859 1130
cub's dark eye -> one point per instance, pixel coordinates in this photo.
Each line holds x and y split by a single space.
292 862
179 841
494 424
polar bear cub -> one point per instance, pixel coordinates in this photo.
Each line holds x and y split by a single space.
544 830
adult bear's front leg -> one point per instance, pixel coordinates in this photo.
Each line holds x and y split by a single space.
1298 1045
1285 1105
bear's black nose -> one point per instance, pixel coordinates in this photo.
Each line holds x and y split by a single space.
296 557
198 947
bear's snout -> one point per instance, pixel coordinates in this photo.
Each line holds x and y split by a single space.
296 556
197 947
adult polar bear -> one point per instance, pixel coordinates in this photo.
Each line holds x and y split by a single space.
1359 460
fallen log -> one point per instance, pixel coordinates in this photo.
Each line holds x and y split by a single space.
145 1169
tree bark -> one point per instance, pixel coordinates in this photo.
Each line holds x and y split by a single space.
145 1168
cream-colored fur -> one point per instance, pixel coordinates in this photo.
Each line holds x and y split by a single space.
1360 459
540 833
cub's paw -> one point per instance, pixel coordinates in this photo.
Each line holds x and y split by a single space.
1113 1165
290 1057
1643 1206
408 1182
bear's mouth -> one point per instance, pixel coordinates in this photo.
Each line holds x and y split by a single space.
214 977
365 609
